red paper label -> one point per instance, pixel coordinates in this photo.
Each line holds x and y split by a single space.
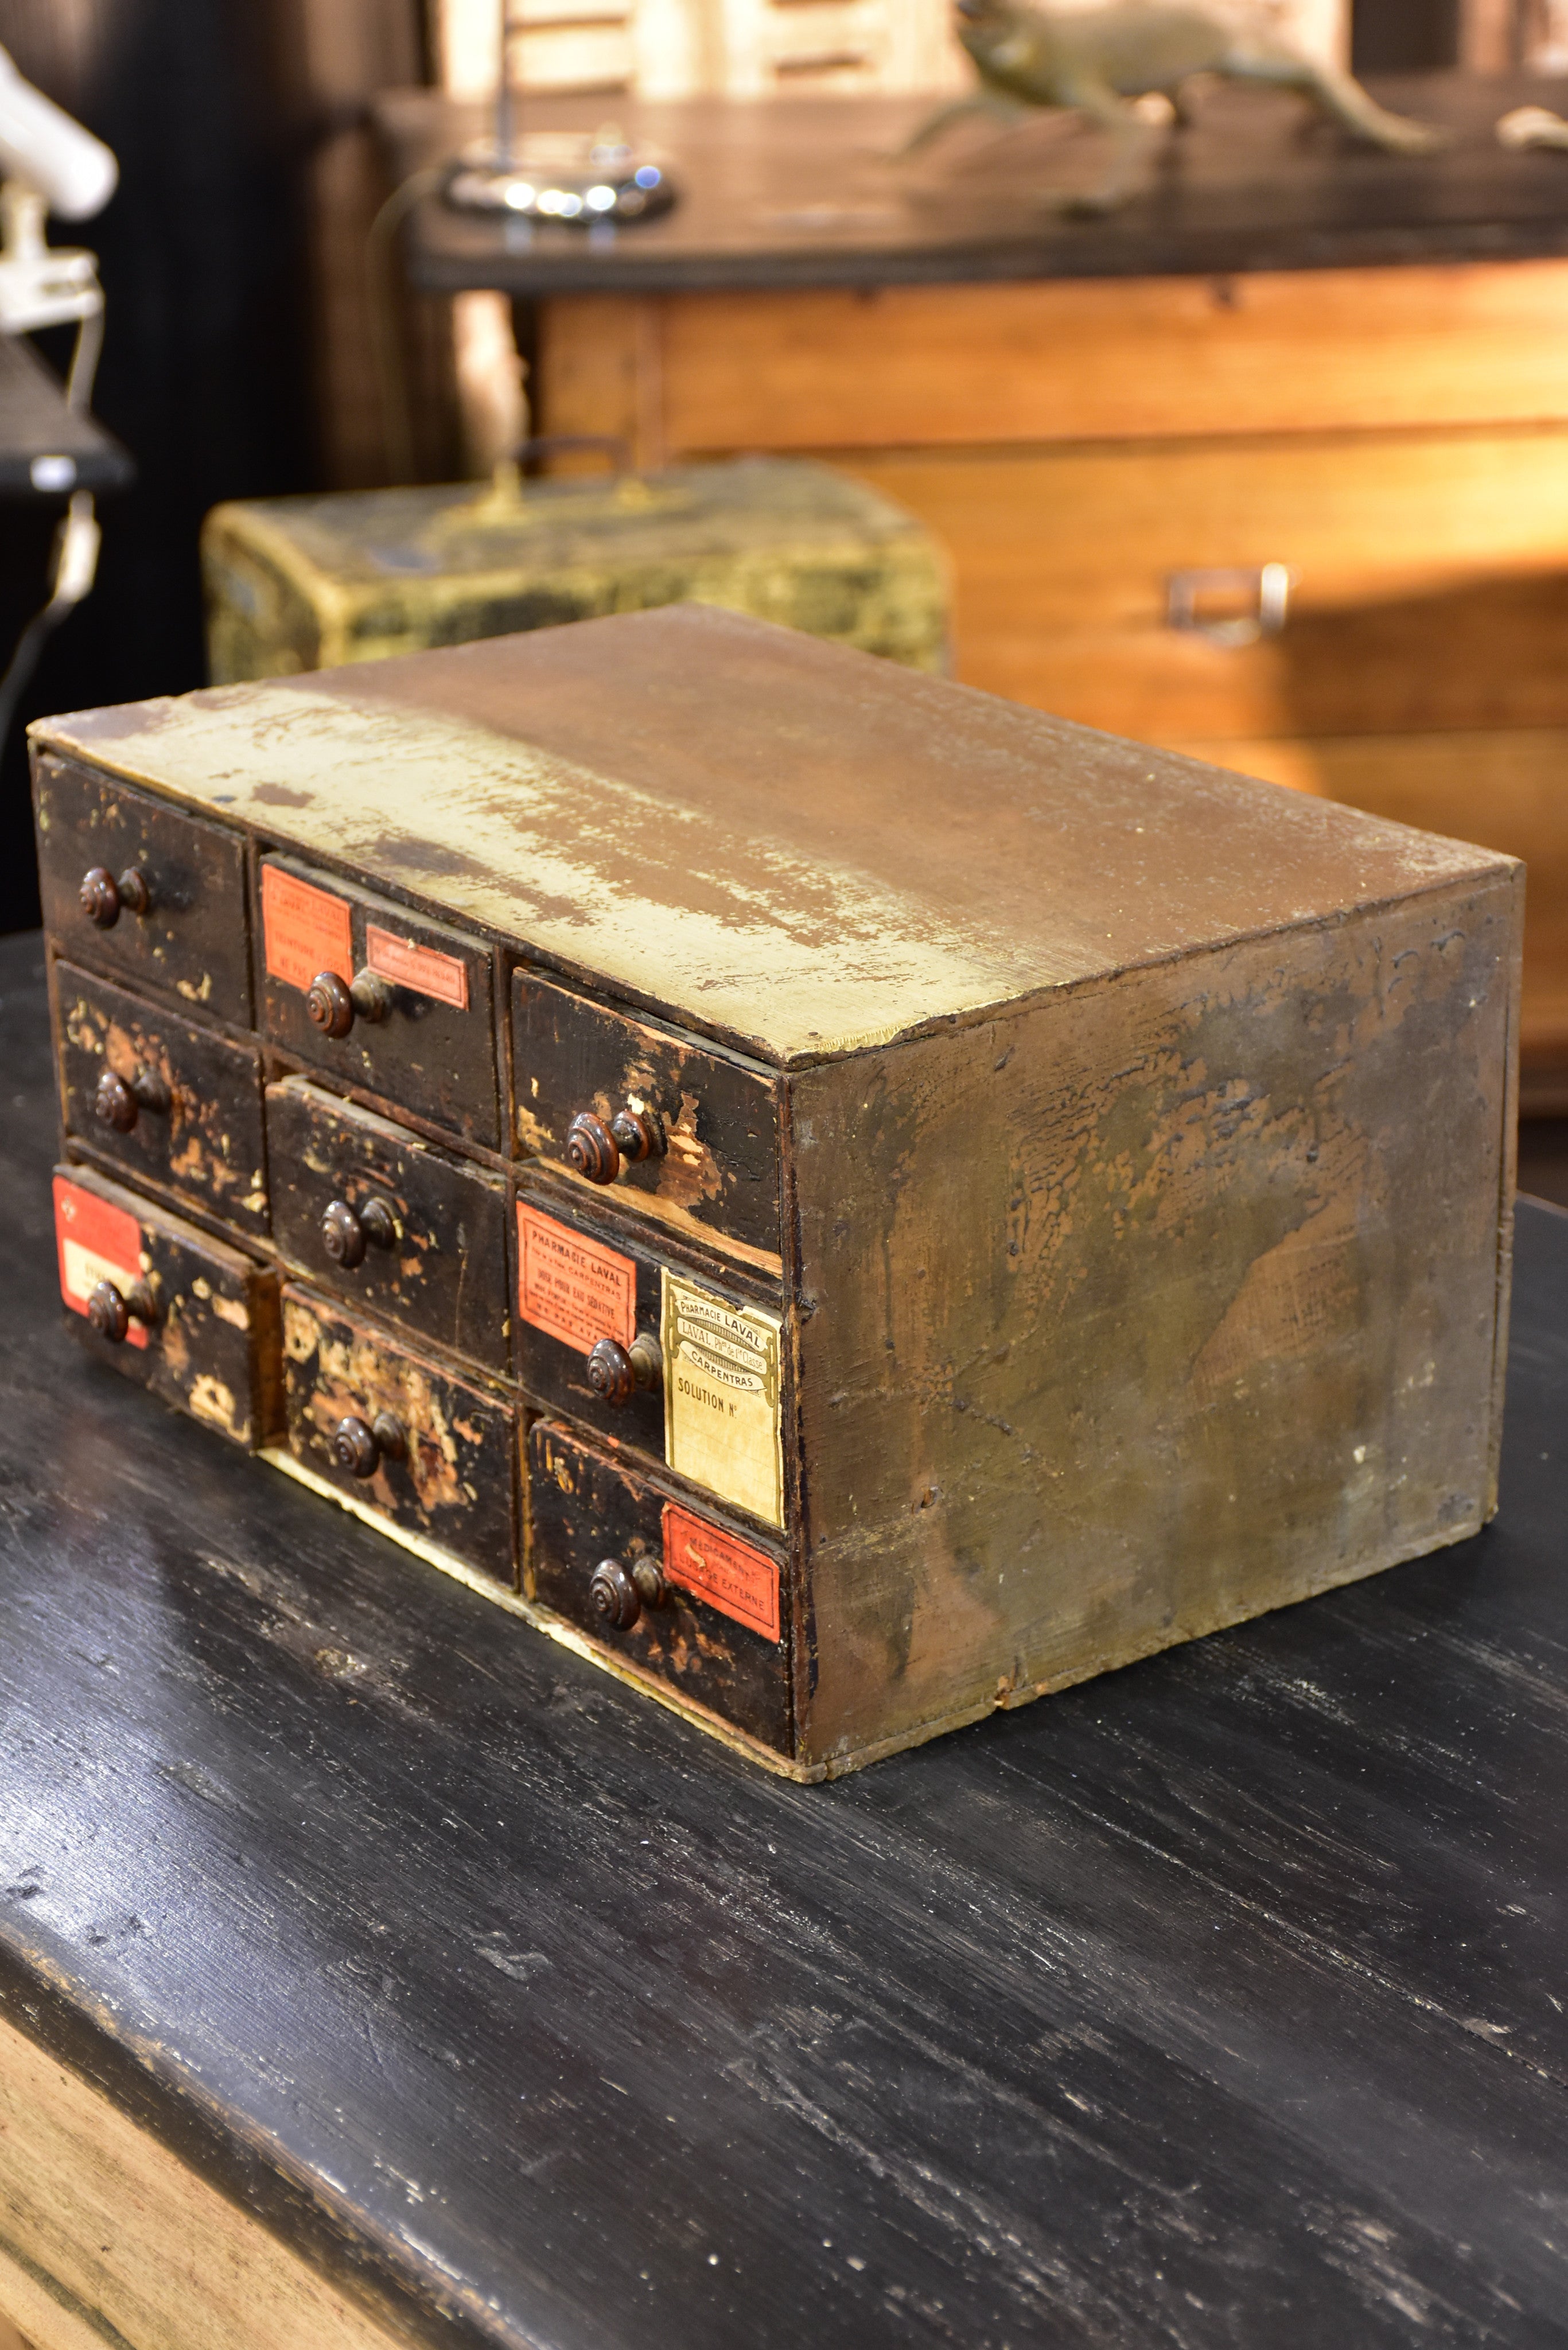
729 1575
306 930
426 972
97 1242
571 1287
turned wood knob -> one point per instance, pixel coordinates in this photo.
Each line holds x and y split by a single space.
102 897
112 1311
616 1373
618 1595
119 1101
638 1134
360 1445
614 1597
591 1148
345 1231
334 1004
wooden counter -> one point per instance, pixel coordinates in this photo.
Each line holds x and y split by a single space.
367 1983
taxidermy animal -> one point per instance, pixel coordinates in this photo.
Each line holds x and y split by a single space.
1101 60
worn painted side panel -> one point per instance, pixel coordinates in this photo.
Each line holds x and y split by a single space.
584 1507
193 942
1141 1313
456 1485
445 1277
207 1147
213 1347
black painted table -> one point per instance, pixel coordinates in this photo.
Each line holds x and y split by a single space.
800 192
1217 2002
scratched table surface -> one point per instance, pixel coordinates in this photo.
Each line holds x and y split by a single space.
806 191
1220 2001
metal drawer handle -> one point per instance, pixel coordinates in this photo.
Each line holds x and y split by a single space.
616 1373
360 1445
1267 590
618 1595
333 1005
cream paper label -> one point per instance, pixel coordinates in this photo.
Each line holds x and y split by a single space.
722 1397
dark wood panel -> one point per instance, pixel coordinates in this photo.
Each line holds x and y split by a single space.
441 1464
1211 2004
586 1513
438 1268
718 1120
192 942
198 1132
205 1336
804 194
433 1056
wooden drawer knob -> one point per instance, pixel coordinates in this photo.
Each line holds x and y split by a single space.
103 897
619 1594
119 1101
112 1311
334 1004
345 1231
360 1445
595 1149
616 1373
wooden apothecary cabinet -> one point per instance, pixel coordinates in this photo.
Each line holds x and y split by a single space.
852 1200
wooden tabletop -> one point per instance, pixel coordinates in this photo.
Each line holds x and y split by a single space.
803 192
1217 2002
34 423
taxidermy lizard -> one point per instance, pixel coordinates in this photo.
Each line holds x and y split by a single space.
1099 60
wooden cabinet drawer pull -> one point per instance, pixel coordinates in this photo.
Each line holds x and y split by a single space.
1232 606
616 1373
103 899
112 1310
360 1445
119 1101
596 1151
334 1003
620 1593
346 1231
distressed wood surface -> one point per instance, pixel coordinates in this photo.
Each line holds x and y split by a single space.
445 1274
190 944
691 810
207 1147
1215 2003
805 194
455 1483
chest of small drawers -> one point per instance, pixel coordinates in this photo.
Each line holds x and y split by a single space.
855 1203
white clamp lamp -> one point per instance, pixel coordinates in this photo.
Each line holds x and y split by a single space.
50 164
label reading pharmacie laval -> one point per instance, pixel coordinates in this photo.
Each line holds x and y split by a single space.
729 1575
571 1287
304 930
722 1397
423 969
98 1242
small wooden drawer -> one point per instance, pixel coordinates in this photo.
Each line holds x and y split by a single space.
389 1222
682 1368
379 996
137 886
431 1453
659 1584
172 1102
194 1321
594 1087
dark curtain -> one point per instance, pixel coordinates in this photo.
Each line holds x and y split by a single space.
204 374
1403 35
